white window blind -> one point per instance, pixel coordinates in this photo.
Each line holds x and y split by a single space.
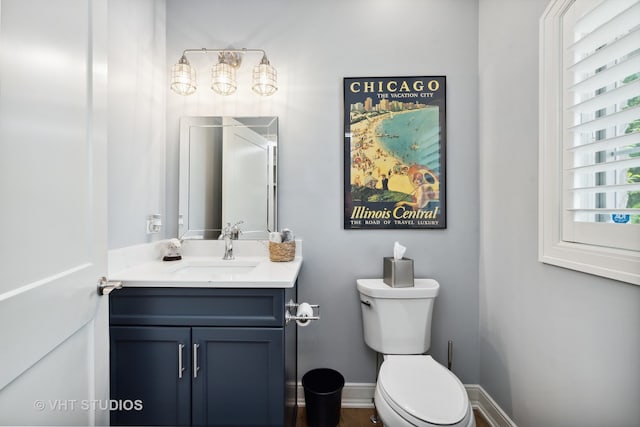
601 123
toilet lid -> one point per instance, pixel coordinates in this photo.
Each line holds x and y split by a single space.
419 388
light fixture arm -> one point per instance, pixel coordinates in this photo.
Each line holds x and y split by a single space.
208 50
230 56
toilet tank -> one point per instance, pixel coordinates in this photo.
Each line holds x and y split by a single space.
397 320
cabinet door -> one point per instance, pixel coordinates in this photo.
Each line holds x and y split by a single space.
240 380
150 367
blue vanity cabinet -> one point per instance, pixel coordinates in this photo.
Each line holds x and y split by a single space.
145 360
203 357
245 392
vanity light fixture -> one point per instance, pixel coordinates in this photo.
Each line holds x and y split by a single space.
183 77
223 73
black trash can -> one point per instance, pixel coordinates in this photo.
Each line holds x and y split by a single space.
323 396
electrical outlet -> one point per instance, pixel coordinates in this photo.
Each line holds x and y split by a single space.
154 224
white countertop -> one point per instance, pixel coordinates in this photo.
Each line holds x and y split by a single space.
202 266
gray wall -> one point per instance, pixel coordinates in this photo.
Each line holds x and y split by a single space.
557 347
136 118
314 45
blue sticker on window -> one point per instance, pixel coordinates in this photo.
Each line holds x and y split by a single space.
620 218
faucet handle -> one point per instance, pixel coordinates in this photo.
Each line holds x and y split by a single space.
235 230
231 231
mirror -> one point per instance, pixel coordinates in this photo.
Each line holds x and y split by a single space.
228 173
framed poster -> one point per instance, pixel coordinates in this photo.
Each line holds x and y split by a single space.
394 153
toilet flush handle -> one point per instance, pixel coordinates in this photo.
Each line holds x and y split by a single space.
367 303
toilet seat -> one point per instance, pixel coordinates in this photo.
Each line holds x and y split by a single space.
422 391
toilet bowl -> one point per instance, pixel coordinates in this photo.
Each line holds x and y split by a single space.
413 390
417 391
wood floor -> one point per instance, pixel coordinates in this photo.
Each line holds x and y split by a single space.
351 417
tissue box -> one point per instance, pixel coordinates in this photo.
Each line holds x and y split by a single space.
398 273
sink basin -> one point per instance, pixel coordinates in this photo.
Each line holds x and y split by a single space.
212 269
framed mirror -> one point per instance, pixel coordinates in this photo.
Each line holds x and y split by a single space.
227 173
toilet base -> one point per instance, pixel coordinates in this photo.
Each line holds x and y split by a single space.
391 418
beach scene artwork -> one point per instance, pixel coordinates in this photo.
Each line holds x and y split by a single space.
395 152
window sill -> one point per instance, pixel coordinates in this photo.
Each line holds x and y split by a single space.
614 264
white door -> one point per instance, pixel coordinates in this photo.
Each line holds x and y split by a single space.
53 324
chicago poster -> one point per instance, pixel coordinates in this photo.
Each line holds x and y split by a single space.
394 153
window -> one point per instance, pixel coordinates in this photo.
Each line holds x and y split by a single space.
590 137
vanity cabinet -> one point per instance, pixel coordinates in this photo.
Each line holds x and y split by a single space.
205 357
144 370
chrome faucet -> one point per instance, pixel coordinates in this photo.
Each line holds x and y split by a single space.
229 234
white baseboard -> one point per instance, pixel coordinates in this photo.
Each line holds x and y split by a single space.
360 395
483 403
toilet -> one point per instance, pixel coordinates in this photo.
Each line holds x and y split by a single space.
412 388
